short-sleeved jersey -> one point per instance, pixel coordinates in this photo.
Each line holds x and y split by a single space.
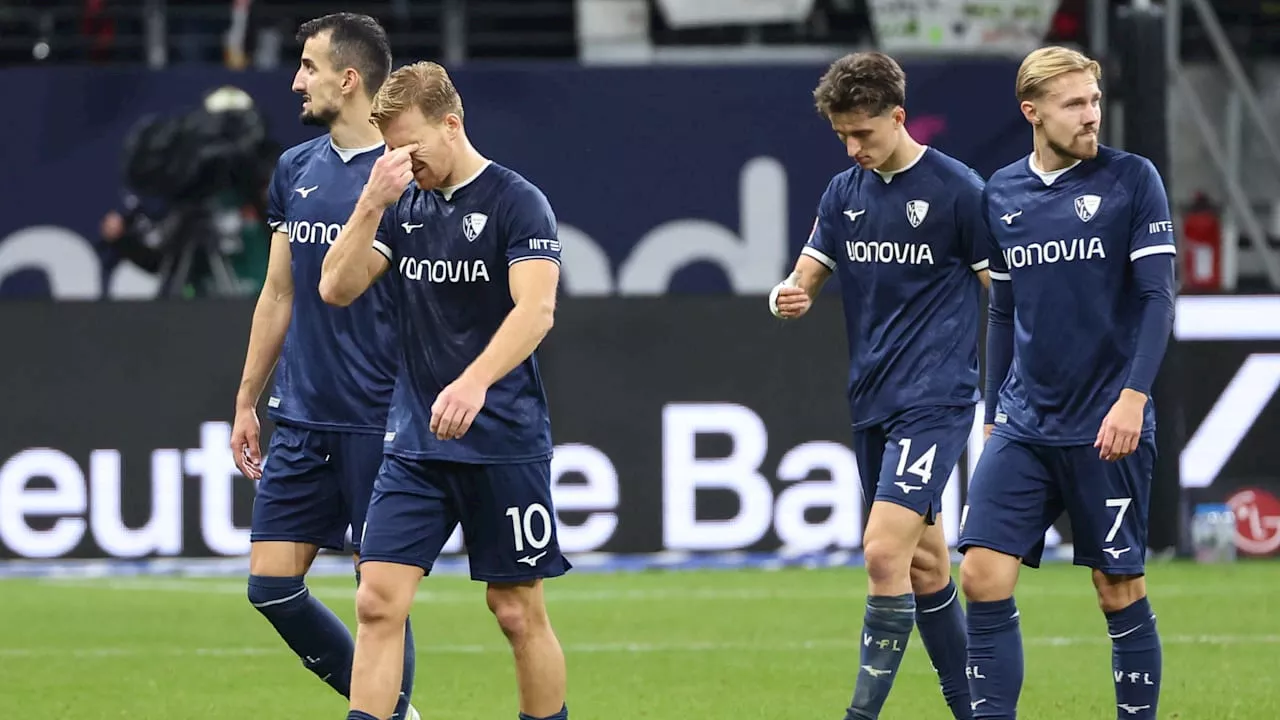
906 247
338 365
450 252
1066 241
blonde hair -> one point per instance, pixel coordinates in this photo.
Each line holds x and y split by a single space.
1047 63
424 85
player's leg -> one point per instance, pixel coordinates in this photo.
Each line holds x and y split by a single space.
513 545
1012 502
917 452
1108 511
887 544
297 510
940 617
358 457
410 518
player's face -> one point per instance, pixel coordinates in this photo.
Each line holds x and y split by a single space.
1069 114
318 82
869 139
433 160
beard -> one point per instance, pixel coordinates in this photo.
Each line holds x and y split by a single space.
324 117
1081 147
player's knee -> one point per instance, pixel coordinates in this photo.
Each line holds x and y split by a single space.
930 569
886 559
378 603
987 575
1117 592
517 608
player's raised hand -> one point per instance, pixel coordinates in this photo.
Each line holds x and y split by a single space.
1121 428
456 408
789 301
246 450
390 174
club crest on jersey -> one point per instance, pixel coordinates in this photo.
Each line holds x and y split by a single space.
473 224
1087 207
916 212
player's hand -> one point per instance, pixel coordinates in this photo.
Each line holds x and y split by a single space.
986 432
390 174
245 448
792 302
789 301
1121 428
456 408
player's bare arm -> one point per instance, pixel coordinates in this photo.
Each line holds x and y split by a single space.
352 264
533 290
795 295
984 277
271 319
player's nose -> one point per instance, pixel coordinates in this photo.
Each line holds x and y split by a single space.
853 147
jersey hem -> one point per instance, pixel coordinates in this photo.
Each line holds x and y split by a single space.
1004 432
334 427
469 460
947 402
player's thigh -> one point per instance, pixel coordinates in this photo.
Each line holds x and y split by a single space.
298 498
1107 504
1013 500
922 447
357 459
868 452
411 515
509 522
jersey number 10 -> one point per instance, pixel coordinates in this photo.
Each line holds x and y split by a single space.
522 527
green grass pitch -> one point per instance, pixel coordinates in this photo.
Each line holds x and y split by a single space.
726 644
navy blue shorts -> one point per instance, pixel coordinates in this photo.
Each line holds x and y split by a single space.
315 485
1019 489
506 512
907 459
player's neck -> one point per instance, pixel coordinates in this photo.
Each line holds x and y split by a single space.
353 130
1048 160
470 163
907 152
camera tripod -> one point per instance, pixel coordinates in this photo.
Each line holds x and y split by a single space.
197 254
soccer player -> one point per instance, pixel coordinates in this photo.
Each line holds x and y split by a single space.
336 365
475 261
1081 310
904 230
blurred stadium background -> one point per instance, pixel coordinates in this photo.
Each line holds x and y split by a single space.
696 435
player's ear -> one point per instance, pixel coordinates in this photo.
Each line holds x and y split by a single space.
453 124
1029 112
350 81
899 115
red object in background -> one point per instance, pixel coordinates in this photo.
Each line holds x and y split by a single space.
1201 247
99 28
1257 521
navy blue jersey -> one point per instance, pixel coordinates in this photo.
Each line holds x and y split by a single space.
906 246
338 365
449 253
1067 242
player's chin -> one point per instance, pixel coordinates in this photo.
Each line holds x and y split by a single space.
425 181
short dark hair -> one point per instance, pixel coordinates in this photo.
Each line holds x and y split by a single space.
866 82
355 41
